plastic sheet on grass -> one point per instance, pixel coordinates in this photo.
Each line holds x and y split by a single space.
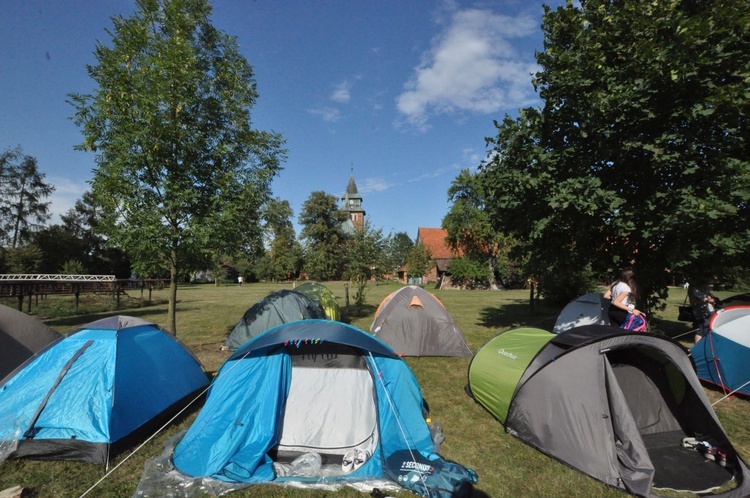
160 478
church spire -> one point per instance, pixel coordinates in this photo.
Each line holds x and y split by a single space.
353 203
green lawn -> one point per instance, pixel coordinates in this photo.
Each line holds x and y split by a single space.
506 467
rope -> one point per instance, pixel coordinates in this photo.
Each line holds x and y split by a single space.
728 395
136 450
400 427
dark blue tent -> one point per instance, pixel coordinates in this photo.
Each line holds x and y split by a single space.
88 395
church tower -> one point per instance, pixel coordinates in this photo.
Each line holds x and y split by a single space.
353 204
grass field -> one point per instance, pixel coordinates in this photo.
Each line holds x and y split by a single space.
506 467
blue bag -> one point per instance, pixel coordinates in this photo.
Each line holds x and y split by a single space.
635 323
432 477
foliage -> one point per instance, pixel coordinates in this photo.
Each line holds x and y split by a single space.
285 252
73 267
639 155
181 174
469 273
397 249
321 221
22 193
364 258
26 259
419 261
471 232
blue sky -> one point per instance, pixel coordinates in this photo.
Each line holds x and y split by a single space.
402 93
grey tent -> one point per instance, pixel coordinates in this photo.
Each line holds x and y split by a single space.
280 307
21 336
415 323
589 309
614 405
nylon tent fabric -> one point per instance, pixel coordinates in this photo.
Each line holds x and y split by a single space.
722 357
279 307
92 393
237 434
324 296
415 323
615 406
21 336
589 309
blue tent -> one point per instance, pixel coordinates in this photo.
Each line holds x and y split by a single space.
722 357
88 395
306 388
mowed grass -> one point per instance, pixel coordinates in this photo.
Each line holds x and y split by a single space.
506 467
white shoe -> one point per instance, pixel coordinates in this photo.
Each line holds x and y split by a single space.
360 457
347 464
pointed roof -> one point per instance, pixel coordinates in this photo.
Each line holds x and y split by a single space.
351 188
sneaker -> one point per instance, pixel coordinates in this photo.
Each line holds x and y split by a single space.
690 442
721 458
347 463
708 451
360 458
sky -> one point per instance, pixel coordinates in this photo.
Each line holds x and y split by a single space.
401 94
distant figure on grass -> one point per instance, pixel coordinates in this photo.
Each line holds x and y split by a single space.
623 294
240 280
703 304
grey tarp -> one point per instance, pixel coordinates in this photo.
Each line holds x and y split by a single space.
589 309
21 336
280 307
415 323
617 407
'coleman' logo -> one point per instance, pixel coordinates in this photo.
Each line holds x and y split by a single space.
507 354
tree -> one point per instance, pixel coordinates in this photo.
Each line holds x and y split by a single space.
365 258
419 261
22 193
321 221
470 231
285 252
639 155
398 248
181 173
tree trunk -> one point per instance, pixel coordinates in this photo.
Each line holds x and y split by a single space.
492 266
171 314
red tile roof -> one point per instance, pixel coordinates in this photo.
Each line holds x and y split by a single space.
434 240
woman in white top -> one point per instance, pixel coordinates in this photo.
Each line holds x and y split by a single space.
623 295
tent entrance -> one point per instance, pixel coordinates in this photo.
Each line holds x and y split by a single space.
330 409
665 411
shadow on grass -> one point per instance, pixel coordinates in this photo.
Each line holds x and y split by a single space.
351 311
518 314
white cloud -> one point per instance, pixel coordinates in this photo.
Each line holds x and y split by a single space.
66 193
328 114
472 66
373 184
342 93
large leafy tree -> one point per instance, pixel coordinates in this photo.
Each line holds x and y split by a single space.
23 194
397 249
180 172
321 220
639 155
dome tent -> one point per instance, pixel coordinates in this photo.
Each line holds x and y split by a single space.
21 336
611 404
415 323
308 388
279 307
324 296
722 357
589 309
91 394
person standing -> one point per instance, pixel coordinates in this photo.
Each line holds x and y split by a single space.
704 305
623 294
240 280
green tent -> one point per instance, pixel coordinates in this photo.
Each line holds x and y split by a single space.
324 296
